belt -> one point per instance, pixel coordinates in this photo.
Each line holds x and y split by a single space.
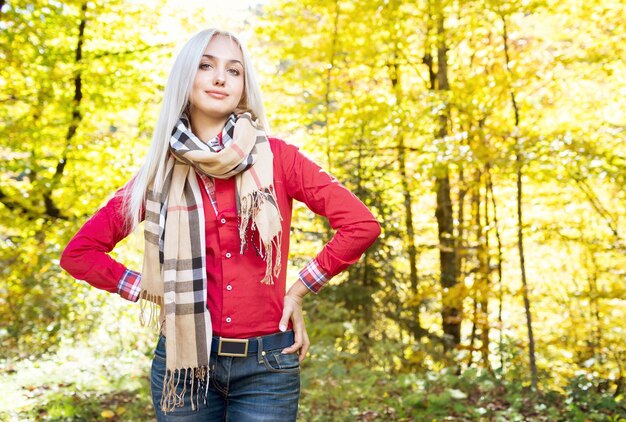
242 347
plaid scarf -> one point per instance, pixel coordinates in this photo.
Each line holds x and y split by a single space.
174 267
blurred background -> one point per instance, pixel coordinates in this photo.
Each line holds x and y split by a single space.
488 137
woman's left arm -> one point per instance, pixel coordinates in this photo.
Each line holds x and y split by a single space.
355 227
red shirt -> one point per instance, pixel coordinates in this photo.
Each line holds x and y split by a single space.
239 304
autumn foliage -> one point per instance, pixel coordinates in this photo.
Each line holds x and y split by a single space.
487 137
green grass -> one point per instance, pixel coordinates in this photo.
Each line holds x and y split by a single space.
91 384
77 384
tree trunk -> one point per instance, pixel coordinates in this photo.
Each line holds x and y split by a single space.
499 267
451 302
595 340
485 278
329 70
365 340
51 208
519 163
395 76
328 231
522 262
472 339
481 271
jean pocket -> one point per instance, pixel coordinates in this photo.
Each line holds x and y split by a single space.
159 351
275 361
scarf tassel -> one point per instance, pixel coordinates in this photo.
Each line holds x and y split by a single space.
250 207
269 260
149 300
196 378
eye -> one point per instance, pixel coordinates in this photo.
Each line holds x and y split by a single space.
234 71
205 66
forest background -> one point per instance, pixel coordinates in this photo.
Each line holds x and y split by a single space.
486 136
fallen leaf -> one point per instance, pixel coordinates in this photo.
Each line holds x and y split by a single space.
107 414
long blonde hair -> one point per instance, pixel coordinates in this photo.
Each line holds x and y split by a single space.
175 100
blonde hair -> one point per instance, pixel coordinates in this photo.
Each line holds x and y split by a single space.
175 100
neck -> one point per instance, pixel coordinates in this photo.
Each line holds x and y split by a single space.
205 127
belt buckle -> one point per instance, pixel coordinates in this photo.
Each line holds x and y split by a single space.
231 347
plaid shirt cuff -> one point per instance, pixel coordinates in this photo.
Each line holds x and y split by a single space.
129 285
313 277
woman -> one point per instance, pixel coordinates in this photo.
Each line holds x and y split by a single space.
216 195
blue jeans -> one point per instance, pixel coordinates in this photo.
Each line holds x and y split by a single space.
261 387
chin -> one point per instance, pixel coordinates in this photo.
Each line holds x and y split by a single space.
215 113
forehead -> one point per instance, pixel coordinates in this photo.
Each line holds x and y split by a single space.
225 48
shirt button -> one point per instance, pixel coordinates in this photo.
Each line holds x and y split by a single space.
223 221
228 319
229 287
228 255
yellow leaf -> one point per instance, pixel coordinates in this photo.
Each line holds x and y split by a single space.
107 414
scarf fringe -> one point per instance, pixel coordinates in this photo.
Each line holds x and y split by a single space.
149 300
270 274
250 206
197 379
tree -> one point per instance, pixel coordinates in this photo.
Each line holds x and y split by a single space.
69 107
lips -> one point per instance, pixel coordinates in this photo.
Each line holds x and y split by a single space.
217 94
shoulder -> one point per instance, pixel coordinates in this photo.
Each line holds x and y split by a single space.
286 154
280 146
285 157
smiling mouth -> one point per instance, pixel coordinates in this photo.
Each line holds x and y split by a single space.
216 94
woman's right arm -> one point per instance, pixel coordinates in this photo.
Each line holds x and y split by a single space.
86 256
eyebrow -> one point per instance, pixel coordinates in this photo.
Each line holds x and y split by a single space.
215 58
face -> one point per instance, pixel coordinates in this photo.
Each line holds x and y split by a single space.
219 83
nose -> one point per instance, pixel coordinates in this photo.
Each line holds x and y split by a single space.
219 79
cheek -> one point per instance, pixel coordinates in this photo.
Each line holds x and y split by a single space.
199 80
240 87
194 97
197 87
236 96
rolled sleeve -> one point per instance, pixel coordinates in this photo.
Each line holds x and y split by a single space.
313 277
129 285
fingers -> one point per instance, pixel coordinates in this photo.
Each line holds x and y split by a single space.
288 313
298 326
293 311
297 341
305 347
284 320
